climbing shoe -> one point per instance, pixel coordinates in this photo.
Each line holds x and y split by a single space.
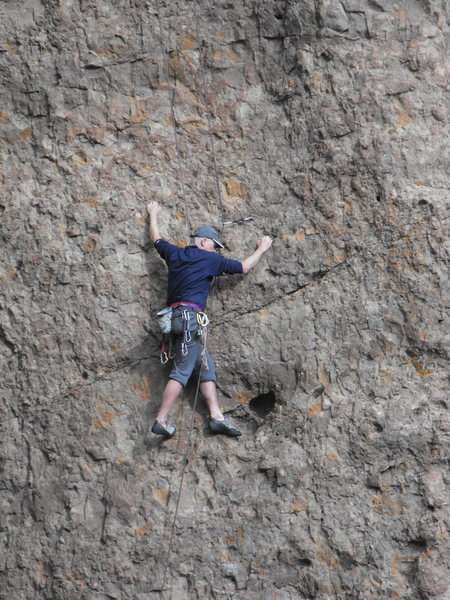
167 430
224 426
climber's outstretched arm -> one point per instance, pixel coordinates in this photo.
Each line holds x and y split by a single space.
263 245
153 209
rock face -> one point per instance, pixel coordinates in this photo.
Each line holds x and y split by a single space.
327 122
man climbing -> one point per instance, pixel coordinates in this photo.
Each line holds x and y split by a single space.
191 270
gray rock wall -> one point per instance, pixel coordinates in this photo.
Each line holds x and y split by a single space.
326 121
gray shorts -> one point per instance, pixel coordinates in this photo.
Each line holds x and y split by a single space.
185 365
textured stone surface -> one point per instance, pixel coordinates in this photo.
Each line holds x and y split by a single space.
329 124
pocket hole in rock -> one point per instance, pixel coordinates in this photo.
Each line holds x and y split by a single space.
263 404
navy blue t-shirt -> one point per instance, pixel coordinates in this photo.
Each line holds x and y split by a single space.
191 270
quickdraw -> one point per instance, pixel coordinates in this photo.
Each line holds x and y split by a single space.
165 355
244 220
186 334
203 321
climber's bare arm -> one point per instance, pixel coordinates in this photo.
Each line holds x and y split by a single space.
263 245
153 209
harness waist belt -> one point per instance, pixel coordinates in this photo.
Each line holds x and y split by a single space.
196 306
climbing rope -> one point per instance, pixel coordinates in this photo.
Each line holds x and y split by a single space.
203 321
172 93
208 117
171 89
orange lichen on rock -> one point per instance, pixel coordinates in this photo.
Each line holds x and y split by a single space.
162 495
104 417
140 531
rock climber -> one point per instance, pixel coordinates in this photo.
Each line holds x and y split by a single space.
191 270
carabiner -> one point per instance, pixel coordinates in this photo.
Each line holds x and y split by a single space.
164 358
202 319
187 334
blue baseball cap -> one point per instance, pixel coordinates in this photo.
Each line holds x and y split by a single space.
208 232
